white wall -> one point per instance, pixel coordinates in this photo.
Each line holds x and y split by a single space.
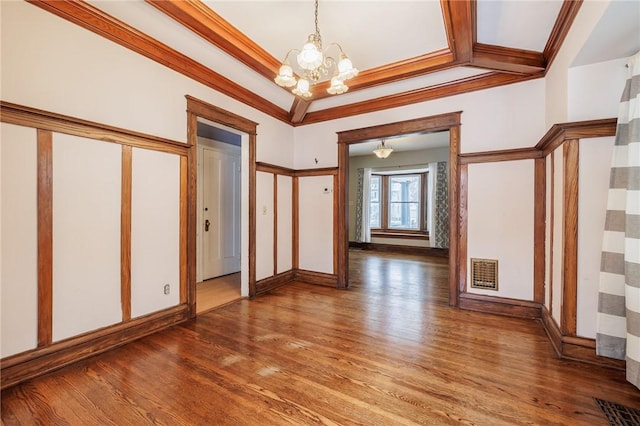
57 66
19 240
558 235
285 223
595 90
500 224
315 223
557 78
594 169
501 118
86 235
155 231
264 225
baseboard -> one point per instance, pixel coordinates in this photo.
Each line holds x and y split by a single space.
274 282
576 348
499 305
318 278
396 248
27 365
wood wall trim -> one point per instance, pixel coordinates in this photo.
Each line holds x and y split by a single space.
576 348
539 228
435 123
45 238
500 305
93 19
27 365
184 229
342 232
271 283
275 224
552 224
566 16
274 169
502 155
45 120
558 133
324 171
336 179
317 278
295 223
457 217
465 85
125 233
569 309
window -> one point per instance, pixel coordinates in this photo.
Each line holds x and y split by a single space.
404 202
398 203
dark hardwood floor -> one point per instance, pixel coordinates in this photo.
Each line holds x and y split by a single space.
387 351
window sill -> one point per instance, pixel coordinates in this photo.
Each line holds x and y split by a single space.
402 235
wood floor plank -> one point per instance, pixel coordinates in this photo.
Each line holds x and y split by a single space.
387 351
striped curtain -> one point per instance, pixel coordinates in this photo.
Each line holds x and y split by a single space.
618 333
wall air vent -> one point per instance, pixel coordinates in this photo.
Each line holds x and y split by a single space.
484 274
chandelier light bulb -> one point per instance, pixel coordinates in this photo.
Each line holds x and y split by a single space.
337 86
345 68
310 57
285 78
302 89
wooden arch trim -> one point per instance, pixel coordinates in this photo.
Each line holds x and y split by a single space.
197 108
443 122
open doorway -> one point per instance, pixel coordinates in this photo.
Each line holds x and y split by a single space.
218 236
446 122
208 144
399 218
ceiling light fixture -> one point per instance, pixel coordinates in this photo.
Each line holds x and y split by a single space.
315 66
382 150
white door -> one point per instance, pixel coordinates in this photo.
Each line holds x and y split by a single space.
220 226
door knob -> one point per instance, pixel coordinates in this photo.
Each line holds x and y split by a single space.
206 225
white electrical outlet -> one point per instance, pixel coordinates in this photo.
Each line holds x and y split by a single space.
167 288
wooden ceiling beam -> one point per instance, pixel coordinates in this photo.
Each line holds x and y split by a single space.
566 16
94 20
459 24
465 85
507 60
200 19
298 110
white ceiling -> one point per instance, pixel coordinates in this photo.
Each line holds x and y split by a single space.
414 142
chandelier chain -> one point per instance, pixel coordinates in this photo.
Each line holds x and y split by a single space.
317 26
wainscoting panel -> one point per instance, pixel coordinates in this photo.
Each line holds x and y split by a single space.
19 253
86 229
284 223
155 231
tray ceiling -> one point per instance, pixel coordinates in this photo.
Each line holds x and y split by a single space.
406 51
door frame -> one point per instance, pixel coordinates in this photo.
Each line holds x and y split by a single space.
436 123
197 108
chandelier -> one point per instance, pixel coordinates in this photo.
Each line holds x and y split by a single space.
382 150
314 65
